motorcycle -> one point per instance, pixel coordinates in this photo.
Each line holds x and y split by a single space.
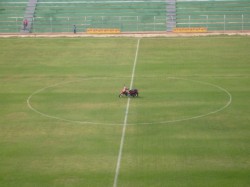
129 93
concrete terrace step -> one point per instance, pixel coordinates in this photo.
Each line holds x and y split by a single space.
29 15
171 14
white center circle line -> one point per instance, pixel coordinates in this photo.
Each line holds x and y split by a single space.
229 100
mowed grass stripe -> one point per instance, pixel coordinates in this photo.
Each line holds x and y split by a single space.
209 151
118 165
36 150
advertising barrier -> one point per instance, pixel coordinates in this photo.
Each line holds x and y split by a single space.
190 30
103 31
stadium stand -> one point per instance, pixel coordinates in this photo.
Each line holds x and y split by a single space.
125 15
214 15
11 15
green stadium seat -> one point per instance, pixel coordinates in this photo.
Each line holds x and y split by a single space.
215 15
128 16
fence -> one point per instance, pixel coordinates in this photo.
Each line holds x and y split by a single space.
129 23
124 23
216 22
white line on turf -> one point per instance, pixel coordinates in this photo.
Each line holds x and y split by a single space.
55 117
180 119
118 164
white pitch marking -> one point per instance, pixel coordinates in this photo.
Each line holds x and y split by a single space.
198 116
59 118
118 164
143 123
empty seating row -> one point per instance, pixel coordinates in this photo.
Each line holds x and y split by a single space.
11 15
215 15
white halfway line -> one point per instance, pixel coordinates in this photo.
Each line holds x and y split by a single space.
118 164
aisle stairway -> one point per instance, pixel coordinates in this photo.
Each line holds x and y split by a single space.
171 14
29 15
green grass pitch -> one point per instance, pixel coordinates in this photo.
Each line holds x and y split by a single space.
61 119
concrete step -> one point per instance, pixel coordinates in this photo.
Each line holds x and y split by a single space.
29 15
171 14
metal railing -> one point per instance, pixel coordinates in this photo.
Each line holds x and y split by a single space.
65 24
124 23
216 22
128 23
